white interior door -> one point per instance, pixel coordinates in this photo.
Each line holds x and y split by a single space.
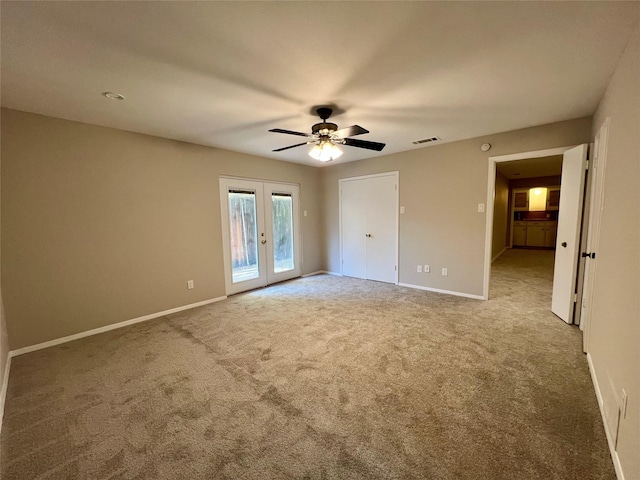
568 239
260 233
353 227
369 227
597 168
382 229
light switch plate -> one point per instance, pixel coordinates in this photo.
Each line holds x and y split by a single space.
481 207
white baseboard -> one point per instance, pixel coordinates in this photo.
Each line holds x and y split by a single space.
318 272
498 255
321 272
438 290
614 455
113 326
3 389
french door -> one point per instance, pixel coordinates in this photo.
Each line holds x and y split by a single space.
260 233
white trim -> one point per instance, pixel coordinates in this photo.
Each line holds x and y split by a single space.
491 187
321 272
373 175
438 290
317 272
614 455
534 154
113 326
3 390
499 254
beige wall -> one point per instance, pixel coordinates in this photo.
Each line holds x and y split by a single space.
440 188
614 342
500 215
102 226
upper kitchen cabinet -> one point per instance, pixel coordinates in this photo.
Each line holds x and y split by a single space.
553 198
520 200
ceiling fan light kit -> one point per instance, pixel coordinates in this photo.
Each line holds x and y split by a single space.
325 152
326 137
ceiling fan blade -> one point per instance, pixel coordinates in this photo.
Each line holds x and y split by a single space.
290 146
290 132
351 131
364 144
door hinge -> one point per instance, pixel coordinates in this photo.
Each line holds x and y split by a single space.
395 267
396 186
586 167
575 298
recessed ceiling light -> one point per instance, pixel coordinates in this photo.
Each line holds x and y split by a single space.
113 95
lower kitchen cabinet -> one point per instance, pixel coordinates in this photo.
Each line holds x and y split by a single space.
534 234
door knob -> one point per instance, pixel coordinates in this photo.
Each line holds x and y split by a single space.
263 242
368 235
564 244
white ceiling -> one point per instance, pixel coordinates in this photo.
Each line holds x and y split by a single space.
223 73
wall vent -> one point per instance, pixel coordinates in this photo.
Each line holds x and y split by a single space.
426 140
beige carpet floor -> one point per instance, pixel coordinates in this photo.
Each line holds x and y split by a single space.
319 378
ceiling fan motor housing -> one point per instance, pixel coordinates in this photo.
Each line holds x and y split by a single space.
319 127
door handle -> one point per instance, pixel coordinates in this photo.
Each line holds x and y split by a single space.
564 244
263 242
368 235
590 255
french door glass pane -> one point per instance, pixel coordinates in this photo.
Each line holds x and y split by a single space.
282 232
244 235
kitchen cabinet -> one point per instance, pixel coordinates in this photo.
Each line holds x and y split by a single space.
535 234
520 233
527 233
551 231
553 198
520 200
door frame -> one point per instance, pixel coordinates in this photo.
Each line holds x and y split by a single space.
264 275
596 204
491 193
396 175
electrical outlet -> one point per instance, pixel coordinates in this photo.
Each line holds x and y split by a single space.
189 284
401 209
481 207
305 213
427 269
445 272
419 268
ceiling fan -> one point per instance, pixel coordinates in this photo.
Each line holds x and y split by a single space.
326 137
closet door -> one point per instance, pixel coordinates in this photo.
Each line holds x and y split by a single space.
382 229
354 228
369 227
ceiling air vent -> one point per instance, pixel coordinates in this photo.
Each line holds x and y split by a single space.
426 140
